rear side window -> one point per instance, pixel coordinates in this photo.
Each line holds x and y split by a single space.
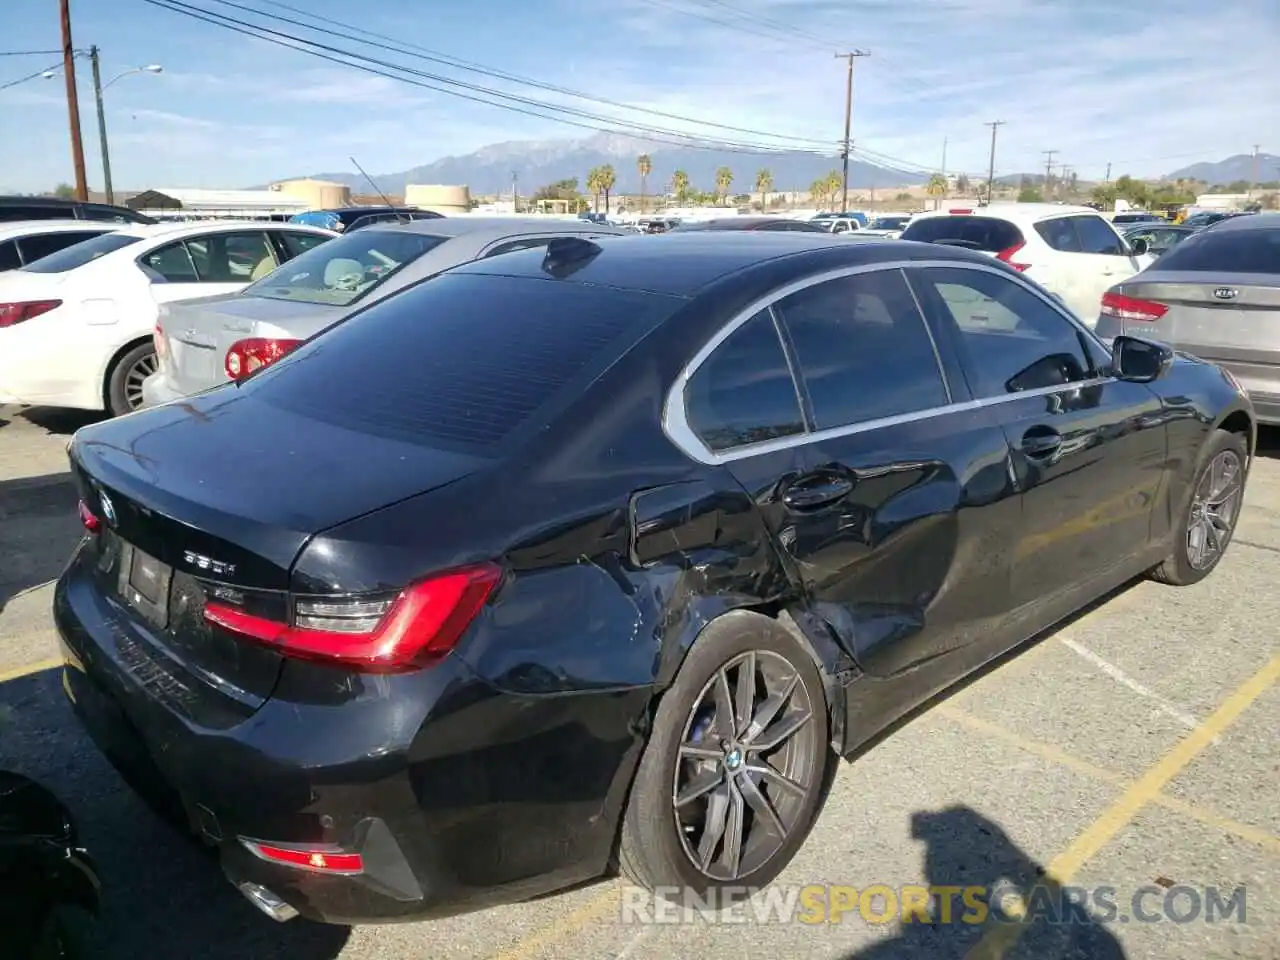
463 361
1059 234
9 259
1227 251
988 234
82 253
1096 236
743 393
864 350
41 245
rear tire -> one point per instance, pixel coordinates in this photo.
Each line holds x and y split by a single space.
124 379
700 777
1209 517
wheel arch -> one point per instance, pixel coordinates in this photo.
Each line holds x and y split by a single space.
1241 421
104 379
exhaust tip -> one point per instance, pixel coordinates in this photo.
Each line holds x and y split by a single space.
268 902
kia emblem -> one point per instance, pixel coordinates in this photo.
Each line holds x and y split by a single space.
1226 293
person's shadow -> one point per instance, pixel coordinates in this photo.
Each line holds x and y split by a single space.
964 850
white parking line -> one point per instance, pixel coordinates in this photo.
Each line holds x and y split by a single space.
1115 673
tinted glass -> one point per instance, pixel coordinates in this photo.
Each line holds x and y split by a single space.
1011 339
171 263
972 233
497 351
343 270
9 259
296 244
36 212
1096 236
1227 251
522 244
743 393
41 245
793 226
1059 234
863 348
81 253
889 223
110 215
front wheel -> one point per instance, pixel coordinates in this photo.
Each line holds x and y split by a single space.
124 380
735 769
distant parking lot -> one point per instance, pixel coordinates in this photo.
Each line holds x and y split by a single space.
1132 749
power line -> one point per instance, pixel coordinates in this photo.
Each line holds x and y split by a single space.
30 53
31 76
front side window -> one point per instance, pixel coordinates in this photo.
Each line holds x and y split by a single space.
342 270
743 393
1097 236
81 253
863 349
1011 339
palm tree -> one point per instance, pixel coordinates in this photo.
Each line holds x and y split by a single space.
593 185
680 185
833 183
607 179
962 184
936 188
764 186
724 180
645 166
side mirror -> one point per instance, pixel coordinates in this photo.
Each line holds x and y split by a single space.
1139 361
1139 246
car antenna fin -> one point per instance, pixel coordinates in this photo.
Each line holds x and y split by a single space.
565 255
378 191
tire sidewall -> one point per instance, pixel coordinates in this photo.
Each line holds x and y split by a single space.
117 402
1220 441
652 805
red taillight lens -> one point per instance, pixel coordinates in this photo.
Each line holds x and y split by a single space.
418 627
246 356
157 340
87 517
319 859
1007 255
1132 308
12 314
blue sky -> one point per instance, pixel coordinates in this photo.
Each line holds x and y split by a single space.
1148 87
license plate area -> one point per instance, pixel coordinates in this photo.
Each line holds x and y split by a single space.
143 583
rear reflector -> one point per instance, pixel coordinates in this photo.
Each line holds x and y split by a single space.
416 628
1131 308
246 356
87 517
1006 255
315 859
11 314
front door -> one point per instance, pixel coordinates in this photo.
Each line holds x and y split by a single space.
1089 451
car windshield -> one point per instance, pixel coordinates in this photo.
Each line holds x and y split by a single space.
343 270
889 223
78 254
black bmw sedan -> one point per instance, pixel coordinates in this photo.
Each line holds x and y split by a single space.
599 557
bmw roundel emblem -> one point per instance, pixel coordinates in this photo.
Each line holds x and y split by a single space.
108 508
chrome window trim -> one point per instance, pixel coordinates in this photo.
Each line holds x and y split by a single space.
675 422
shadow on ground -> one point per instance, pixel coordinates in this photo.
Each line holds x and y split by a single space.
55 420
39 528
162 897
1269 442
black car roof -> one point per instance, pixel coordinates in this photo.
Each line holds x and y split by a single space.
1248 221
681 264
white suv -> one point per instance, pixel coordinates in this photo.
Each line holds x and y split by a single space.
1072 252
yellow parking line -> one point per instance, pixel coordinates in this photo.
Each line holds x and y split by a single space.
1120 814
564 927
29 668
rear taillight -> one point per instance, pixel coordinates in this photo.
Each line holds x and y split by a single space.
12 314
416 628
89 519
960 211
157 340
1131 308
1006 255
246 356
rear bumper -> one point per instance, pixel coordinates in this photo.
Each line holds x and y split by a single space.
457 796
157 389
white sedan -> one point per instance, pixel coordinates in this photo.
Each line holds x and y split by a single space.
76 327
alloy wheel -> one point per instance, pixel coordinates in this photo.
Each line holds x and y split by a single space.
1214 509
142 368
746 766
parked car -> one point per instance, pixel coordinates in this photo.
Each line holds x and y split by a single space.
1215 295
1070 251
768 224
889 227
45 872
77 327
54 208
391 217
838 224
202 343
1136 216
1159 238
26 241
566 560
342 219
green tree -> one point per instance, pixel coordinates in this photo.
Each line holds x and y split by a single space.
936 188
764 185
680 186
65 191
608 179
962 183
645 165
1029 193
593 186
819 192
724 180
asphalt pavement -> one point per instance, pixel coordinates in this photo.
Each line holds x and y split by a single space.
1133 750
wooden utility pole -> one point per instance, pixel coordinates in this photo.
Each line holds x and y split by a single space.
991 169
848 120
73 101
1254 182
1048 169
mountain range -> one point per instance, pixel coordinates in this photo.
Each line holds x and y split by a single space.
534 164
1232 170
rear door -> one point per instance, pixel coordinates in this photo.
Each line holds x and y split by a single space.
1088 452
1103 261
893 506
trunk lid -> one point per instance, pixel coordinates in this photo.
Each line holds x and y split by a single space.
198 333
215 497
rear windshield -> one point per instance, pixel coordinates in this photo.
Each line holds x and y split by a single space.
343 270
81 253
462 361
988 234
1227 251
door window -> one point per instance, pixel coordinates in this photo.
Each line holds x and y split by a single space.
863 348
1059 234
231 257
171 263
1011 340
743 392
296 244
1096 236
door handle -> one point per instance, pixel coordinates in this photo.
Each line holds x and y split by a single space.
816 492
1041 442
